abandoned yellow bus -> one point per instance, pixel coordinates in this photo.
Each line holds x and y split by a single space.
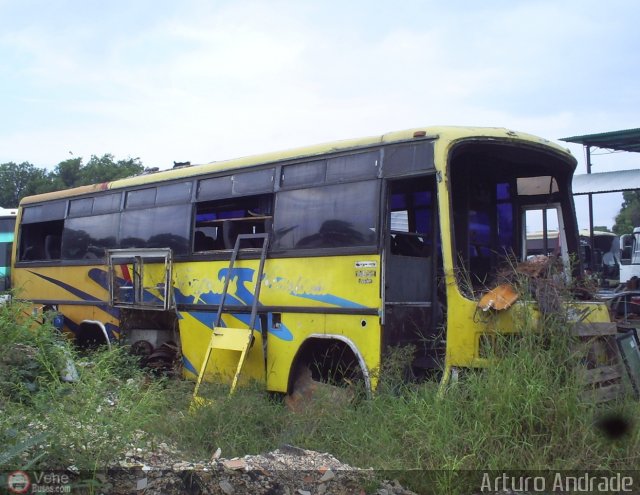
325 256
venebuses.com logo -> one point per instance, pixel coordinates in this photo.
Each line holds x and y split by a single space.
38 482
18 482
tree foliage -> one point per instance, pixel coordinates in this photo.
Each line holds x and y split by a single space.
18 180
629 216
73 173
24 179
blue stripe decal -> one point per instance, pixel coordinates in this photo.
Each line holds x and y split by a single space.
115 312
208 298
208 318
187 364
101 278
71 325
244 296
281 332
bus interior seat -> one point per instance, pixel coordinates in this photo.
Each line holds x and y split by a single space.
28 252
203 242
408 245
52 247
231 230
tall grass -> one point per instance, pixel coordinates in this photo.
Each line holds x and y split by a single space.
525 412
87 423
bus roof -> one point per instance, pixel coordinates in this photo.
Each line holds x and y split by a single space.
444 134
8 212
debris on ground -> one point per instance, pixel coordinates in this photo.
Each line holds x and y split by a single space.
288 470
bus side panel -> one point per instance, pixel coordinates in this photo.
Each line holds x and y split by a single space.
64 283
468 324
285 338
317 286
196 328
330 282
364 333
462 330
80 292
360 332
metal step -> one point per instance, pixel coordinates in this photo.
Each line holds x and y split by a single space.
234 339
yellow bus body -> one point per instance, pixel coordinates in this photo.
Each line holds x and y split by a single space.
320 298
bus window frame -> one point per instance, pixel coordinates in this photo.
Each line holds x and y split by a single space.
557 166
373 247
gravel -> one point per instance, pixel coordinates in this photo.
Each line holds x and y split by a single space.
288 470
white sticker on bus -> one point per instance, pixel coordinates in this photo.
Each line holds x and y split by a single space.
366 264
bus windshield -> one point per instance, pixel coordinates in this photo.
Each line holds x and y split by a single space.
509 203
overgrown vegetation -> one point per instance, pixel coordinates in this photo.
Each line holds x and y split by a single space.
526 412
46 422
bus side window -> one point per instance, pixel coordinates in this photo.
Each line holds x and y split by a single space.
410 219
218 223
41 241
408 245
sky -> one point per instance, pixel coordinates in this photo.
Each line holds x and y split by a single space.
202 81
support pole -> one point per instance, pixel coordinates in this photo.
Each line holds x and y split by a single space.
591 243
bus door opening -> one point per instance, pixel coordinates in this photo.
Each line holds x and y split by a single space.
414 314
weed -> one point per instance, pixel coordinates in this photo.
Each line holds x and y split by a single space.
524 412
86 423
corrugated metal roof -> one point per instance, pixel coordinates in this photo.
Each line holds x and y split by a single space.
625 140
603 182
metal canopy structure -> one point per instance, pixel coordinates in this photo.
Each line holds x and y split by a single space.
622 180
625 140
605 182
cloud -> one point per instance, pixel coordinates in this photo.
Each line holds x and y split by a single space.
205 81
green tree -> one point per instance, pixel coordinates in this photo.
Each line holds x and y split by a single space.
629 216
66 174
72 172
24 179
105 168
21 179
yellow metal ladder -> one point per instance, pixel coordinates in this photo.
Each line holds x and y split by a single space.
234 339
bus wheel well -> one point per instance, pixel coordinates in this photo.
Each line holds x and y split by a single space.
92 334
329 361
